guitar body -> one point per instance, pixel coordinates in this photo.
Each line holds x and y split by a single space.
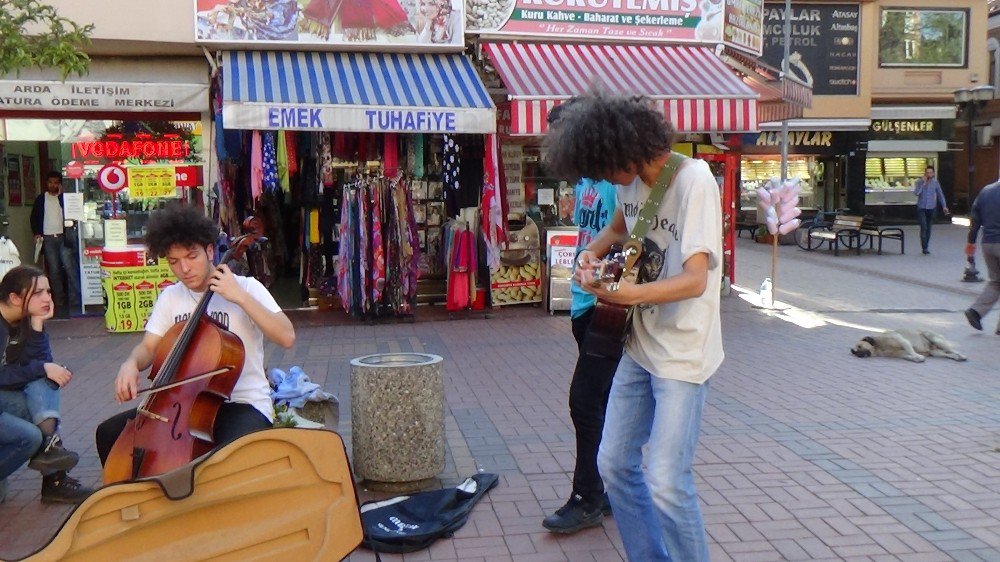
608 329
611 322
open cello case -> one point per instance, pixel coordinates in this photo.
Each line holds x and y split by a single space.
275 494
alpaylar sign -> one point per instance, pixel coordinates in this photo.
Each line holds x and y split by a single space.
738 23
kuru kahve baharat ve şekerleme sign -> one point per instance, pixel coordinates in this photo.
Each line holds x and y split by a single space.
738 23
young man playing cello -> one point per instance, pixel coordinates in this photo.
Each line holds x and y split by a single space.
185 237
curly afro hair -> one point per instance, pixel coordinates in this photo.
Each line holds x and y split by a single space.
597 134
179 225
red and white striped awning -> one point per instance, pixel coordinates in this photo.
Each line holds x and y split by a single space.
698 91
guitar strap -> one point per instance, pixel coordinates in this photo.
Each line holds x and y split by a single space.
633 247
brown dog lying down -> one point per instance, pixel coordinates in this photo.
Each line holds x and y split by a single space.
912 345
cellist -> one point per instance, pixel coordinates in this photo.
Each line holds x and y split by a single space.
186 237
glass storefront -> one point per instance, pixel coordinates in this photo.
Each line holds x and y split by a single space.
162 159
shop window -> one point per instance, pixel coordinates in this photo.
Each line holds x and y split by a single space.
890 178
757 170
923 37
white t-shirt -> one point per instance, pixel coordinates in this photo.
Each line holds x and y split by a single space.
177 302
52 220
679 340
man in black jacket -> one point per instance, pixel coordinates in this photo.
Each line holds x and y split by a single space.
49 225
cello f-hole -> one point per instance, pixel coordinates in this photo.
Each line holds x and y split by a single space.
177 418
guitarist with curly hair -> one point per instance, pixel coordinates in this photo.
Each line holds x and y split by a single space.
674 342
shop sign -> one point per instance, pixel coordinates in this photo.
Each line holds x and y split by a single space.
737 23
124 149
37 95
358 118
797 138
151 182
112 178
187 176
892 129
824 44
74 170
420 24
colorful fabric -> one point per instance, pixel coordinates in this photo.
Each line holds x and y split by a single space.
270 162
326 160
282 160
256 166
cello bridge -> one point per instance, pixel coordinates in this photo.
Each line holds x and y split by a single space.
151 415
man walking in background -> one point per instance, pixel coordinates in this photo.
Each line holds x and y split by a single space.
986 215
929 194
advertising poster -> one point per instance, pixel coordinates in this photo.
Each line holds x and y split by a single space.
824 45
681 21
14 180
357 23
29 181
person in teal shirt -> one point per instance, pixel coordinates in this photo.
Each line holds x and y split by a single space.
588 391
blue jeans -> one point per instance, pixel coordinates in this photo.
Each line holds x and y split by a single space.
60 262
657 512
926 218
19 438
42 399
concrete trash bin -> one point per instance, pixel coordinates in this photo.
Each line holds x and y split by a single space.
397 420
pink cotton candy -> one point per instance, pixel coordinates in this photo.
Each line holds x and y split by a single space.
789 226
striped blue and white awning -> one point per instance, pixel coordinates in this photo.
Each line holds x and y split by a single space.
380 92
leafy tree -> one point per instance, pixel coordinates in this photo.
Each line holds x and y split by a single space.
33 34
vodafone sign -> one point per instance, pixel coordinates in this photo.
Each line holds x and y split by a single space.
112 178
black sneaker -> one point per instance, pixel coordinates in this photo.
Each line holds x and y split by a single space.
605 504
63 488
574 516
975 320
53 457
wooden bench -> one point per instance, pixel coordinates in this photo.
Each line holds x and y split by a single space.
872 230
749 227
846 230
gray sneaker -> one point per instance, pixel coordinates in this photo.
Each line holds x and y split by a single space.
53 457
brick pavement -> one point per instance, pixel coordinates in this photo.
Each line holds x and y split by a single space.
807 453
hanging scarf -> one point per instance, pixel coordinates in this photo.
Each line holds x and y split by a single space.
256 166
390 160
282 161
493 223
270 161
326 159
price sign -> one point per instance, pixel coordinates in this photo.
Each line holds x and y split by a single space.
151 181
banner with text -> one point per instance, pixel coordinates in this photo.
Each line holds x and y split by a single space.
239 115
35 95
151 182
422 24
824 45
738 23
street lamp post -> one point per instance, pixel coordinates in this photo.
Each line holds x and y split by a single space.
971 100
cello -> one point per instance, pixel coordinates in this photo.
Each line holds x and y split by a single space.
195 367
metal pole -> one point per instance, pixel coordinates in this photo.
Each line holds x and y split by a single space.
971 114
784 147
784 73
